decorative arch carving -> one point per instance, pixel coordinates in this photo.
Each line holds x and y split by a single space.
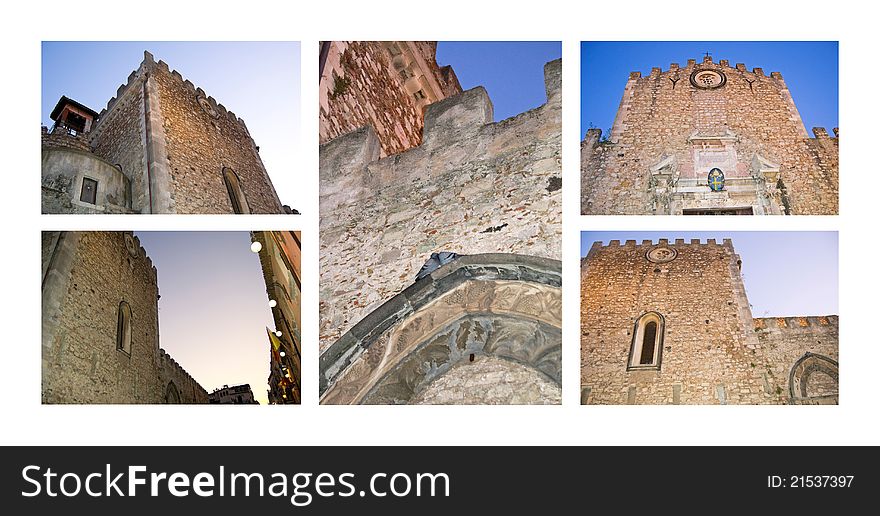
498 308
801 374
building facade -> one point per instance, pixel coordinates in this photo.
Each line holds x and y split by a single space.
235 395
708 139
161 145
100 324
382 84
670 323
280 253
473 210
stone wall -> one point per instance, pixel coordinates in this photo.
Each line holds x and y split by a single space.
201 138
708 346
385 85
63 171
786 339
185 386
472 186
118 137
172 142
87 276
665 121
713 352
64 140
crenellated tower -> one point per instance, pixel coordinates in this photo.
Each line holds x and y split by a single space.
675 127
670 323
161 145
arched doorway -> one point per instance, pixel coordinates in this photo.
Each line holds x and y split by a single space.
813 380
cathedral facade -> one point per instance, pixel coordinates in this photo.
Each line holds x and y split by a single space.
708 139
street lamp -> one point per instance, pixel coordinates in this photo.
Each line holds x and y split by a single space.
273 303
256 246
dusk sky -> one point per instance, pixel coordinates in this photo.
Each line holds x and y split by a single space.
786 273
213 310
512 72
810 70
258 81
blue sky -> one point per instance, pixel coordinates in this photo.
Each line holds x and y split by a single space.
512 72
786 273
213 310
810 70
258 81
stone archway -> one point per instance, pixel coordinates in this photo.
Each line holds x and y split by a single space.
172 395
813 380
482 329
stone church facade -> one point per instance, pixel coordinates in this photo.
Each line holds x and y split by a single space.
670 323
100 324
674 128
440 279
161 145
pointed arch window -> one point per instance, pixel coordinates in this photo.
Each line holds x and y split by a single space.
646 350
123 328
236 194
172 395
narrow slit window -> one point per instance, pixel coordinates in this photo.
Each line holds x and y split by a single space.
89 191
123 328
236 195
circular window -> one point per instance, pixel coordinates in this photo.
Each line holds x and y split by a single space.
206 106
661 254
708 79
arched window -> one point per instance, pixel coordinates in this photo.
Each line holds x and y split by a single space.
646 349
123 328
172 395
233 188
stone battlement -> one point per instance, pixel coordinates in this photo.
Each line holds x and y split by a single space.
770 324
705 63
149 64
822 133
64 140
460 128
167 361
473 186
665 241
142 253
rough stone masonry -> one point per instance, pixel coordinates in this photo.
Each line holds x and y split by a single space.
161 145
472 186
382 217
711 350
89 279
674 127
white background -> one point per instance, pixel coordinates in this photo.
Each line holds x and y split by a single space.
26 421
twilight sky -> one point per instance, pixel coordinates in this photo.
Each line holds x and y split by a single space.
258 81
786 273
810 70
213 310
512 72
